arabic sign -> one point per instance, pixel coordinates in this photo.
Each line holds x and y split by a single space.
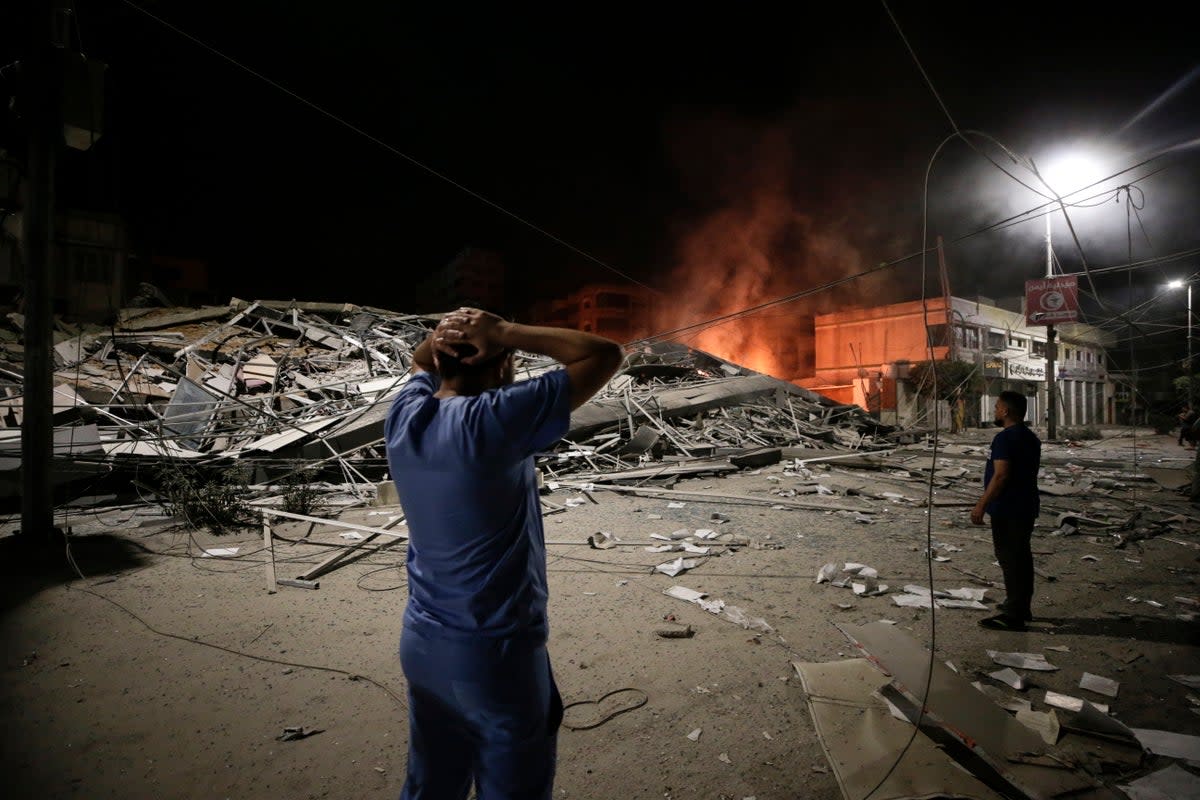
1033 372
1049 301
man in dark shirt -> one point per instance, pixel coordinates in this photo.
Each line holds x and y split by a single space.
461 440
1010 498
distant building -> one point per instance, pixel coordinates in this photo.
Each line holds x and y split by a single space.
89 265
619 311
89 258
864 355
474 277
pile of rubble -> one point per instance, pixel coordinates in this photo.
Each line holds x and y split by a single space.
280 387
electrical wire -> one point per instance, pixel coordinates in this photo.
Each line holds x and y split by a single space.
190 640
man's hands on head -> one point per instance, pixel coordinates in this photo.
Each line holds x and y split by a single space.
469 326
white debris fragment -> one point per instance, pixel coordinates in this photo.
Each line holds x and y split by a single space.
1190 681
736 614
684 593
695 735
673 568
869 588
1044 723
1069 703
1034 661
675 504
1008 677
1171 782
1094 683
725 758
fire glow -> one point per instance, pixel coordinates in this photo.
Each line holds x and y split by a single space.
741 258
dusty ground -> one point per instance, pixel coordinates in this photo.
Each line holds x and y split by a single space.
161 673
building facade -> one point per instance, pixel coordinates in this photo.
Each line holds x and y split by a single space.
866 356
621 312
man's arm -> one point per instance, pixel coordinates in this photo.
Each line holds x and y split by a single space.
590 360
995 486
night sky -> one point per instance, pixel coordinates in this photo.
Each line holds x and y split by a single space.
764 150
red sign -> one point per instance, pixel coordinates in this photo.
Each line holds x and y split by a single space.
1049 301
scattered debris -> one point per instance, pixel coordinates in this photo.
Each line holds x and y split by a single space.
291 734
1034 661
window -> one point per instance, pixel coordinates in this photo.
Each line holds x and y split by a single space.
1038 349
995 340
612 300
937 336
967 337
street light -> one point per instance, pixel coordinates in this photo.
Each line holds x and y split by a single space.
1073 170
1179 284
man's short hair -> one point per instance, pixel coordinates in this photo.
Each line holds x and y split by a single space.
452 367
1016 402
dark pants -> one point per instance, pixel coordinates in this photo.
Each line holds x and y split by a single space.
486 711
1011 541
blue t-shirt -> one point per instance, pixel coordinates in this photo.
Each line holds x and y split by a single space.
463 467
1022 449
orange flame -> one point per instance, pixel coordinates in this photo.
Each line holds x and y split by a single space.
742 257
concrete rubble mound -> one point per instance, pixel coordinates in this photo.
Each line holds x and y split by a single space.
279 387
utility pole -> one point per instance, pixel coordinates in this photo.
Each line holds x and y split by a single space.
1051 352
42 79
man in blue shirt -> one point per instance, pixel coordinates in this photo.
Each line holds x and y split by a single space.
461 436
1011 499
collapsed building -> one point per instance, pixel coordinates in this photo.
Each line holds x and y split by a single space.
276 389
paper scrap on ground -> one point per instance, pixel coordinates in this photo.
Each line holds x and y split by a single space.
1005 701
1044 723
352 535
920 597
1008 677
1171 745
1171 783
219 552
1034 661
1190 681
675 504
735 614
1068 703
1094 683
694 735
684 593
